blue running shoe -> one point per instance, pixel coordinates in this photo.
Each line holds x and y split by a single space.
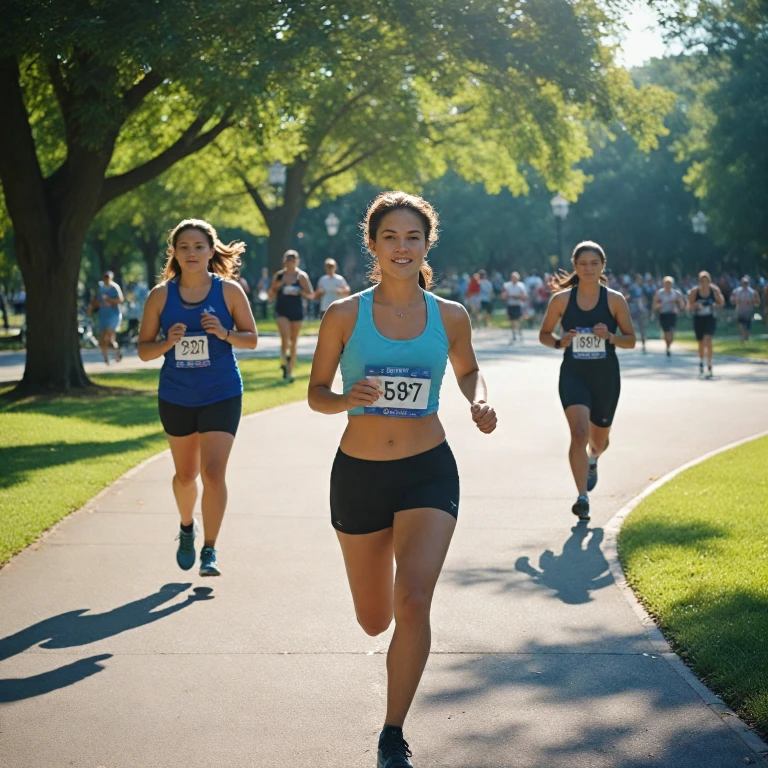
581 507
592 474
208 564
393 749
185 554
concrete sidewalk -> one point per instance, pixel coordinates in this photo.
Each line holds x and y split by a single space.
113 657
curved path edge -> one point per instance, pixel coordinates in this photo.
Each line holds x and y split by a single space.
611 551
127 475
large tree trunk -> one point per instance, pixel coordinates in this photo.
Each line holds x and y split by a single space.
149 252
53 348
280 233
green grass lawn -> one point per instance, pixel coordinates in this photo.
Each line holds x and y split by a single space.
57 453
696 553
755 348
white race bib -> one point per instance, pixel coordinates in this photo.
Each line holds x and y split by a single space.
291 290
587 345
192 352
405 391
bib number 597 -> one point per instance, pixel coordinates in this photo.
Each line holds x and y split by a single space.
403 391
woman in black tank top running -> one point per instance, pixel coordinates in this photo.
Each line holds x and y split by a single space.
590 382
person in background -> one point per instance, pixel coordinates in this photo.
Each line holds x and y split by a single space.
516 296
109 297
4 309
486 298
667 303
746 299
472 298
330 287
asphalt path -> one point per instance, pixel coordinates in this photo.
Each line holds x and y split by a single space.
110 656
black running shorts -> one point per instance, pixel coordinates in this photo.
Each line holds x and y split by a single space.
598 388
704 326
514 312
745 321
184 420
668 321
365 495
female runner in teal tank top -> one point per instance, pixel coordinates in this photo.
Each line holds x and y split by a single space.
590 382
394 485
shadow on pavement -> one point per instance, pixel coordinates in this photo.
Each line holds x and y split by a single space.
73 629
571 575
576 572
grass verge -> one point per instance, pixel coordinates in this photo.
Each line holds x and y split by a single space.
756 348
56 453
696 553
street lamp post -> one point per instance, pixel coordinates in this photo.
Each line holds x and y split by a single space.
277 172
332 222
560 210
699 223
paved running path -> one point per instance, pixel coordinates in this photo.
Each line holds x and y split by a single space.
110 656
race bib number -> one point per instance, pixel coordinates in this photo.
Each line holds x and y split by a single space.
291 290
405 391
192 352
587 345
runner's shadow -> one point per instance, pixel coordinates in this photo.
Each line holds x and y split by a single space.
577 571
74 628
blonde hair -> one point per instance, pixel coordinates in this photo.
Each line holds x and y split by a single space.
225 261
387 202
706 274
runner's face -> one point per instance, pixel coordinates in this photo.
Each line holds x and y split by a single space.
589 267
400 245
193 252
291 264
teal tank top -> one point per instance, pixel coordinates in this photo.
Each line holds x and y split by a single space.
406 369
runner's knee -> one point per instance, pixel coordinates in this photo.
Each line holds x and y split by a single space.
413 608
579 434
374 622
185 478
213 473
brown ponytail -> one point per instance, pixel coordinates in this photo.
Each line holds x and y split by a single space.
387 202
562 280
225 261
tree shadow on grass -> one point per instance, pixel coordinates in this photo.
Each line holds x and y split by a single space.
648 532
75 628
19 461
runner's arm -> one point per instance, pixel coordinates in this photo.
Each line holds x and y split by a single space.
554 315
464 362
336 324
274 287
307 291
246 336
719 298
149 348
620 310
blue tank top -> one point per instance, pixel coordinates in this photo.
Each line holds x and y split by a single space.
195 382
424 358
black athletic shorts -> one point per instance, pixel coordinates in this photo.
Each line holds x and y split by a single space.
184 420
365 495
486 306
514 313
746 321
668 321
704 326
597 387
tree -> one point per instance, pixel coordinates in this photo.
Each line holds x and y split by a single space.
77 84
494 93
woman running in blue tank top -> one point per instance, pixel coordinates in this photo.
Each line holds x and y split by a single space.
394 484
590 381
203 313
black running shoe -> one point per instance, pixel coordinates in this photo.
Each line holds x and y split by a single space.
393 749
592 474
581 507
284 369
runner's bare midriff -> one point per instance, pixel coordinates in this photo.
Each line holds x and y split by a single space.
383 438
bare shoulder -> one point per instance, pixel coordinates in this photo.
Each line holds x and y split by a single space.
343 312
232 287
561 298
453 314
158 294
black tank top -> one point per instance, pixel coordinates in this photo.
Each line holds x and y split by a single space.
575 317
288 295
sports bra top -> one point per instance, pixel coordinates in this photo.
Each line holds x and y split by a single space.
707 303
399 364
575 317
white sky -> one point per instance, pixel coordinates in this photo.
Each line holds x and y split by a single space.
643 40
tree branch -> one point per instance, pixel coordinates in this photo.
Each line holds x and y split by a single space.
59 88
264 209
351 164
134 95
188 143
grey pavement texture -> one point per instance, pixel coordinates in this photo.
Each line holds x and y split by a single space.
110 656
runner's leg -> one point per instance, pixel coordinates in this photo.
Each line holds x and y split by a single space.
284 326
103 344
215 448
369 560
421 540
598 440
294 337
578 422
186 461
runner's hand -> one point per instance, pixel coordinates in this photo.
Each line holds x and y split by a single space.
211 324
567 338
176 333
601 330
484 416
363 392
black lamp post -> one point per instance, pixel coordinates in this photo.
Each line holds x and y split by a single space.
560 210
